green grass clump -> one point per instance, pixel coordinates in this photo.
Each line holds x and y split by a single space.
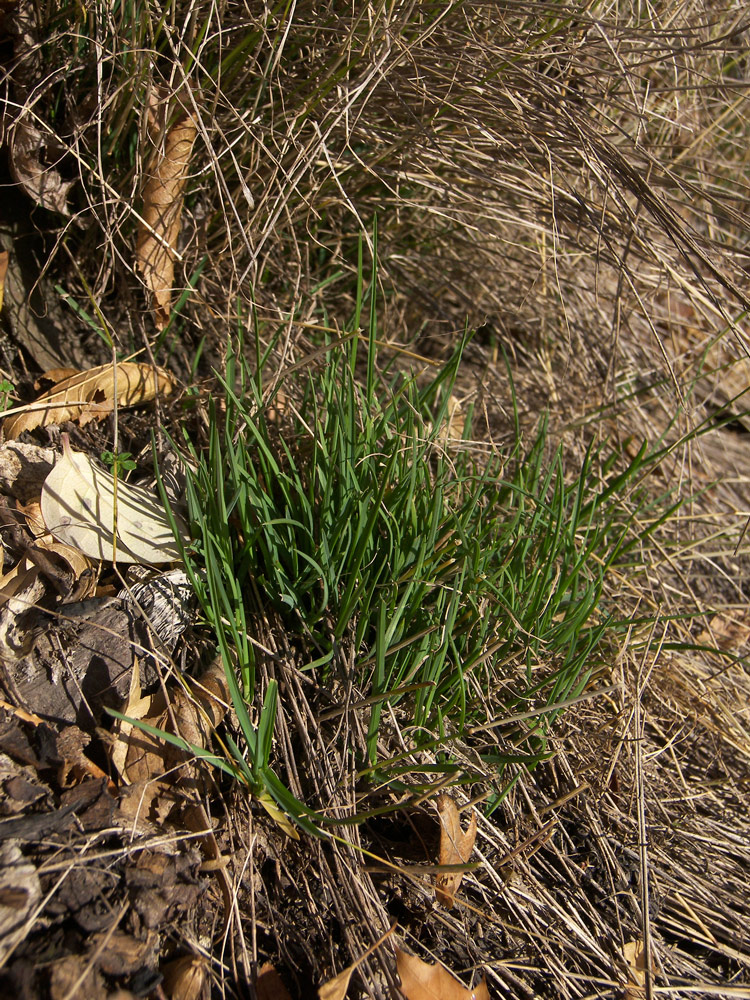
463 589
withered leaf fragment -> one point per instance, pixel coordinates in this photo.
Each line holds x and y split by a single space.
455 848
163 196
420 981
269 984
91 395
3 272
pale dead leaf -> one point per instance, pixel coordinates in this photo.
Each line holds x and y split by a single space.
634 954
729 631
163 196
78 506
420 981
335 989
455 848
269 985
3 272
86 396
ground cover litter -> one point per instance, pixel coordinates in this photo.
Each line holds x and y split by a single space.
374 494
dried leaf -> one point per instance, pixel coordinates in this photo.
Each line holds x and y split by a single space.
153 767
455 848
75 765
17 579
3 272
78 506
86 396
420 981
269 985
335 989
729 631
162 210
186 978
33 155
20 893
120 954
634 954
73 978
76 579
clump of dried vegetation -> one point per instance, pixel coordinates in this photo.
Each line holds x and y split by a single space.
570 181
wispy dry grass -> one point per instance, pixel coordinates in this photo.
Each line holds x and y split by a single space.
574 178
558 169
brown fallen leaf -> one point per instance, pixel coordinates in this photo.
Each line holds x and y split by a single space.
455 848
186 978
157 772
728 631
70 573
73 978
635 956
420 981
269 985
3 272
117 953
33 156
163 196
87 396
75 766
336 988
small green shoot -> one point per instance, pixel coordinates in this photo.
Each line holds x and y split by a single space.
119 462
7 389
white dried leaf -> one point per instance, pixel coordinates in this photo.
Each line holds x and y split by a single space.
78 507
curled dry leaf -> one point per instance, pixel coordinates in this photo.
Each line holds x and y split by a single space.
86 396
420 981
75 766
163 196
154 767
3 272
33 156
186 978
78 506
69 571
455 848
